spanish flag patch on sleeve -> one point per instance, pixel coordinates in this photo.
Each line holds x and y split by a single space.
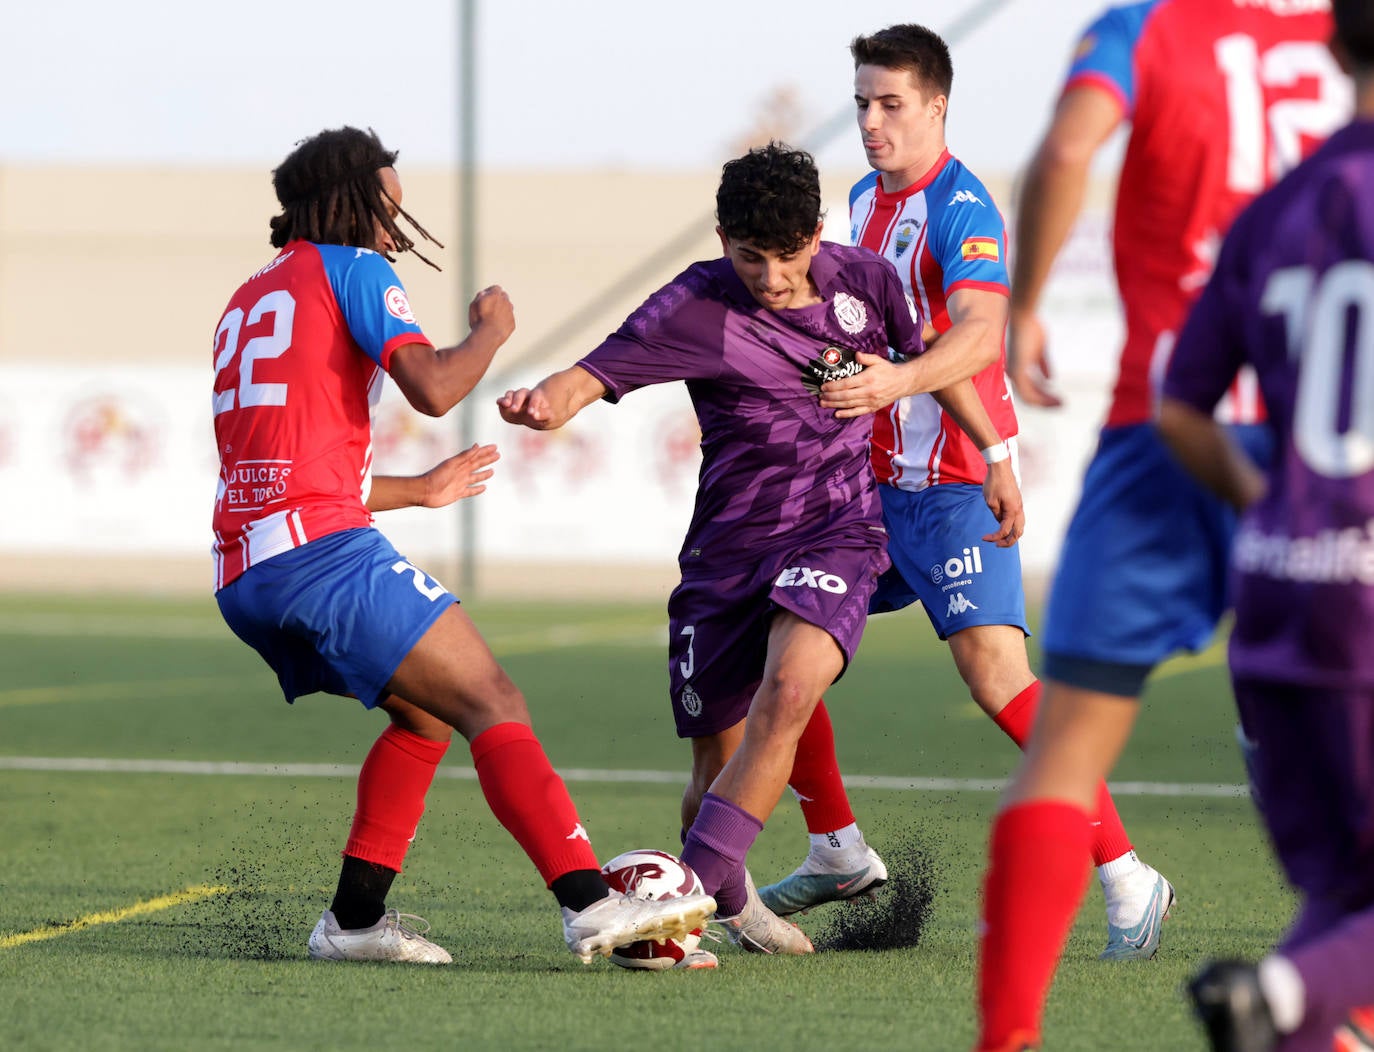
981 248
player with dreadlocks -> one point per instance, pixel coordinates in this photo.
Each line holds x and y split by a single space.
304 578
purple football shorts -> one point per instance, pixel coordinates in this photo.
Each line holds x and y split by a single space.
718 625
1313 770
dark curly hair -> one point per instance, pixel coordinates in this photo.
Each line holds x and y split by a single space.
330 190
919 50
771 198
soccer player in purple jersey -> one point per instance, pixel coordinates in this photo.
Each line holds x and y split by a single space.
1293 298
786 541
935 222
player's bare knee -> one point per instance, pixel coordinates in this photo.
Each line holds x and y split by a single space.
782 706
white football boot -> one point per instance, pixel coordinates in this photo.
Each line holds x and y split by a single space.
618 920
1138 904
758 929
396 937
826 875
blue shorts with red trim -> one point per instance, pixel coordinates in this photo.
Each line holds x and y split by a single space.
939 559
338 614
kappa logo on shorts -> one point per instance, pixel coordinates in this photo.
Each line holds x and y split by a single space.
691 701
959 605
805 577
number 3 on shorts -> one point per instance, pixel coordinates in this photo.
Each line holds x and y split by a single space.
421 582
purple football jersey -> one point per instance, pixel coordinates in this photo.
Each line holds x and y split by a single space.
775 465
1293 296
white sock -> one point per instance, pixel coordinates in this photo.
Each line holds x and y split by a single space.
838 839
1282 988
1121 866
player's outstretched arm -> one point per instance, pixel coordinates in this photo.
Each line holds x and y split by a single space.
555 401
461 475
1051 196
434 381
966 348
1000 488
1209 454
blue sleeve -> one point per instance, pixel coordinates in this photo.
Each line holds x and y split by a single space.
1105 54
968 236
372 300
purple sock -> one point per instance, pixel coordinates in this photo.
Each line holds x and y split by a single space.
715 847
1337 969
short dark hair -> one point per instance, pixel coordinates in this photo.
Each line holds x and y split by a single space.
1355 30
770 197
914 48
330 190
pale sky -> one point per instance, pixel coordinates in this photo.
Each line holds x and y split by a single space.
632 85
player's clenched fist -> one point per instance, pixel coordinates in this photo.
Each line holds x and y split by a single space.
527 407
492 307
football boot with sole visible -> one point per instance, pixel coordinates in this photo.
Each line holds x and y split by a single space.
826 875
758 929
396 937
1137 907
1228 999
618 920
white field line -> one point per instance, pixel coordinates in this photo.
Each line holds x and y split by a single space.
569 774
166 627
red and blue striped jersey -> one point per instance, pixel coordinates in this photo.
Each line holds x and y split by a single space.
942 233
1223 96
299 355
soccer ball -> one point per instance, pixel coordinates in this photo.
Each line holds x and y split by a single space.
649 874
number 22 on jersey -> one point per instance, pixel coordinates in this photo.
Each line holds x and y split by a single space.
242 391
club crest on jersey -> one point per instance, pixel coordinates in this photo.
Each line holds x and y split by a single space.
833 363
850 313
398 306
906 234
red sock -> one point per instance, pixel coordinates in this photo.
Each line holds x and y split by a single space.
816 777
1036 876
1109 835
391 796
530 800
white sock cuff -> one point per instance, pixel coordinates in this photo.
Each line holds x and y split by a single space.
1121 866
838 839
1282 988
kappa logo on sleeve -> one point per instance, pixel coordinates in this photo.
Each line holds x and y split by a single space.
975 248
966 197
398 306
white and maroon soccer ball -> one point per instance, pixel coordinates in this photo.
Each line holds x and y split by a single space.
649 874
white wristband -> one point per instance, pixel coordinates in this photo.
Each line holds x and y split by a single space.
993 454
